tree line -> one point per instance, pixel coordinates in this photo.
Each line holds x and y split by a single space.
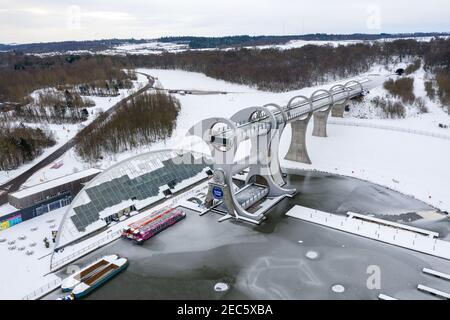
51 107
21 75
267 69
284 70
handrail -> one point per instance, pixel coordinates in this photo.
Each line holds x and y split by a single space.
75 255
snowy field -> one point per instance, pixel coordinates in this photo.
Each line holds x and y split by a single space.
367 114
409 163
156 47
23 273
65 132
413 164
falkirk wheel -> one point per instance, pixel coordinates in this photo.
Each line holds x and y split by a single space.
260 129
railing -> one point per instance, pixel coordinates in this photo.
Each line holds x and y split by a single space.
42 291
85 250
392 128
297 110
255 198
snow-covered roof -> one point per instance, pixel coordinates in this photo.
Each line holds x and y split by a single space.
54 183
138 181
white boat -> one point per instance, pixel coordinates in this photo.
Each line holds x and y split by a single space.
75 279
94 281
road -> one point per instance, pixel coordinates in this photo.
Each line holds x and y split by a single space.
15 183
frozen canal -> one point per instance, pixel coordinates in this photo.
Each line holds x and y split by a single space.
284 258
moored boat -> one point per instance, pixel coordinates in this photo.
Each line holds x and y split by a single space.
97 279
133 228
156 226
69 283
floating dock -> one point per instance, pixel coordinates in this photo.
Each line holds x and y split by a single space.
404 236
437 274
434 292
382 296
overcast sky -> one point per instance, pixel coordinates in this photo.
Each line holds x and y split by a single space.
26 21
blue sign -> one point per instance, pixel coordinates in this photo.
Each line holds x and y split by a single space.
217 192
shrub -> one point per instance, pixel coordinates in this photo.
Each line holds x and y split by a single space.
421 105
443 81
391 109
413 67
429 88
402 88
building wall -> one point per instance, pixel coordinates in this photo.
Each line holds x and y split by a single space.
72 187
36 210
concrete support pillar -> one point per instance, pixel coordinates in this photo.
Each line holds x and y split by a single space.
320 123
297 150
337 110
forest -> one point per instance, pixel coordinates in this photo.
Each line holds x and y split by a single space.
154 115
144 120
50 106
20 144
20 74
246 40
267 69
284 70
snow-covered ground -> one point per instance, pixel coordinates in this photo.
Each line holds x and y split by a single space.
410 155
366 113
410 163
21 273
65 132
157 47
152 47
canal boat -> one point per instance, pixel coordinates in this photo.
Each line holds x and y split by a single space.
96 279
69 283
163 222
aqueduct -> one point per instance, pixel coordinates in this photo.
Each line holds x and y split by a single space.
261 127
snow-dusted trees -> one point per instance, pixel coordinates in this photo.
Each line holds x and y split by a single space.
144 120
271 69
391 109
20 75
429 89
443 82
51 107
402 88
20 144
413 67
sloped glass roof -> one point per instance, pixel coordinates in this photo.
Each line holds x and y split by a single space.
138 181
